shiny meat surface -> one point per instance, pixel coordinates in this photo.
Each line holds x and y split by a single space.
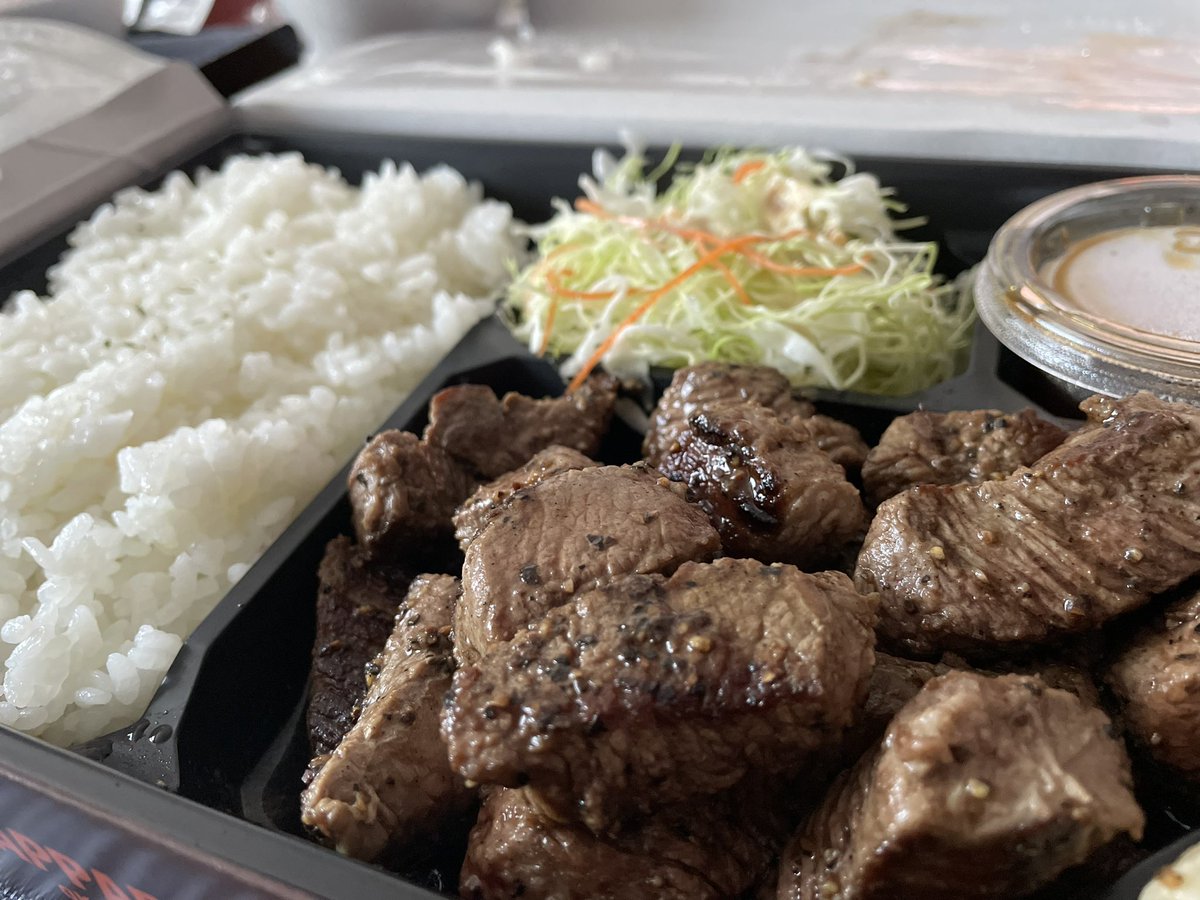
1092 530
388 783
717 848
356 605
769 491
948 448
695 388
402 491
981 788
1156 677
491 436
479 508
649 690
568 532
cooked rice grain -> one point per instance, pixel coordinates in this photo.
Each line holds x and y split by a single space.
208 356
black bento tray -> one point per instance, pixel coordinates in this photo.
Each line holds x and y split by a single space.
210 777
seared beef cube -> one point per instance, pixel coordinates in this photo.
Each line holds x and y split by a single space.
1091 530
1156 677
356 605
566 533
479 508
649 690
403 490
388 782
948 448
709 385
982 787
769 491
491 436
894 682
716 848
696 388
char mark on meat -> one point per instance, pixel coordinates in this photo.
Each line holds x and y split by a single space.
1092 530
491 436
948 448
388 783
650 690
356 603
768 489
572 530
695 388
481 506
982 787
403 492
718 848
1156 678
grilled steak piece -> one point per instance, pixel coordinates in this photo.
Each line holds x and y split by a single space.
479 508
1090 531
982 787
388 781
1156 677
695 388
356 604
769 491
491 436
649 690
404 490
947 448
566 533
716 848
708 385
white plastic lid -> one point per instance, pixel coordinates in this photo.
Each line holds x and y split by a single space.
1078 82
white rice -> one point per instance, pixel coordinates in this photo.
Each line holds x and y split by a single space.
209 355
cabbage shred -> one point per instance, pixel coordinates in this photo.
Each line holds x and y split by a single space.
745 258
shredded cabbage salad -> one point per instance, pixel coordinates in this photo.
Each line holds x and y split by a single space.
746 257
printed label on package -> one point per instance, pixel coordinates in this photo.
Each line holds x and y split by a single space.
51 850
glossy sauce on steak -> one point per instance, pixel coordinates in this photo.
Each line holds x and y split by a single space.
981 787
650 690
768 489
1092 530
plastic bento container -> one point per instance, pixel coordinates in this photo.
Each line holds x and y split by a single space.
202 794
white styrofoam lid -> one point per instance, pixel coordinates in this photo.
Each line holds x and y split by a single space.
82 114
1076 81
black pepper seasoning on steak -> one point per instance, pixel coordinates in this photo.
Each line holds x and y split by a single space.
1092 530
981 788
947 448
478 509
1156 678
561 535
649 690
388 783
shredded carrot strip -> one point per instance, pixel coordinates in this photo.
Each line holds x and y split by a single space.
706 260
748 168
550 314
556 286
